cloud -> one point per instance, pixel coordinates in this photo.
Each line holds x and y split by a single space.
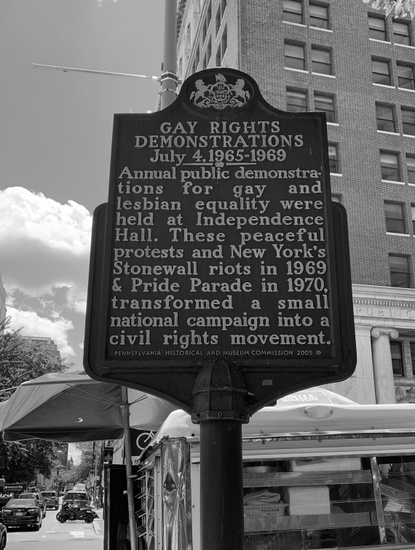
31 324
44 244
44 258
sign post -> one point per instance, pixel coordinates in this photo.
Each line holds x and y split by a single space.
220 275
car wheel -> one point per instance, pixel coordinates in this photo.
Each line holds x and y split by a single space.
3 541
39 525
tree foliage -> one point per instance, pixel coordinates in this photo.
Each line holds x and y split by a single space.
396 8
20 462
22 359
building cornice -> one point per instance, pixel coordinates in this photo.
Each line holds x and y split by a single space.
383 296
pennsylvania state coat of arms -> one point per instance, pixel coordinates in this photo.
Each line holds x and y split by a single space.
220 94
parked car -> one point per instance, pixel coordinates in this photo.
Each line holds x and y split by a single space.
22 512
3 536
51 498
39 499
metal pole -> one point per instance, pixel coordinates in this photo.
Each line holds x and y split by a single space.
220 408
125 411
169 77
221 491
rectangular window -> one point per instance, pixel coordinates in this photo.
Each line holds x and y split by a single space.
401 32
413 217
326 104
408 121
377 28
296 101
399 271
410 167
381 72
390 167
385 117
319 16
292 11
294 56
412 348
406 76
334 163
394 216
321 61
397 359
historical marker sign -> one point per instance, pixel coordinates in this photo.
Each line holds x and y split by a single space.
220 242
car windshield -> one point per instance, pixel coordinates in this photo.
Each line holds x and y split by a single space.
28 495
19 502
48 494
76 496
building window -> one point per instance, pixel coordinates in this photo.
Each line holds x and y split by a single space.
412 351
334 163
395 218
294 56
381 72
292 11
408 121
385 117
296 101
413 218
397 359
326 104
319 16
401 32
321 60
377 28
390 168
406 76
399 271
410 167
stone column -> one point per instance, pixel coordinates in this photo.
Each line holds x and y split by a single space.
382 364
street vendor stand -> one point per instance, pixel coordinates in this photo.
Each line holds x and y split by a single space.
319 471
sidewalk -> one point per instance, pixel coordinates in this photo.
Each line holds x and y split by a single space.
98 524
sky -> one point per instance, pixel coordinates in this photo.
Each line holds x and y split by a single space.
55 146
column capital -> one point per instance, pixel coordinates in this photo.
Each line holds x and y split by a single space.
379 331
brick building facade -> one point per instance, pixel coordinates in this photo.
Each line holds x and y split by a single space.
350 61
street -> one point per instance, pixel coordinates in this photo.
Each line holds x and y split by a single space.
54 535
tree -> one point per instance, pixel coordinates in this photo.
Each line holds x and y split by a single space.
396 8
22 359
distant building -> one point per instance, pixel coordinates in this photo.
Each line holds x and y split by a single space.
345 59
46 343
